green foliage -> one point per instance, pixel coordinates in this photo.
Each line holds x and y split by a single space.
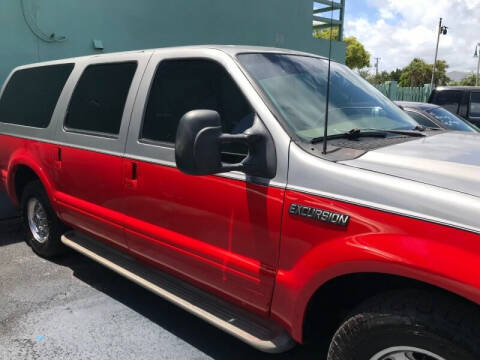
357 56
395 75
469 81
325 34
418 73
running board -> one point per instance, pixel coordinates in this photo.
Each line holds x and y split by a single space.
261 333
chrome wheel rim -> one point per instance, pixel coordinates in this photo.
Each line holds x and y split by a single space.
406 353
37 220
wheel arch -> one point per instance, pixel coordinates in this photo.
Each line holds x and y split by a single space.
22 171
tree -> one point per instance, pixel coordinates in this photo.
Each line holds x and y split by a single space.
469 81
395 75
441 77
357 56
418 73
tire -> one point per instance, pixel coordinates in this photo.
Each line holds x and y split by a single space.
413 324
48 245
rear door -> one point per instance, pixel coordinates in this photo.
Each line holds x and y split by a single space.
92 136
221 232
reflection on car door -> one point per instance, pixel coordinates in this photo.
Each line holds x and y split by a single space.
221 232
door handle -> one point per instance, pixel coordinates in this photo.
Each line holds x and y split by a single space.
58 160
131 181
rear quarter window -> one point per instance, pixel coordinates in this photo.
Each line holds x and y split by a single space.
449 99
31 95
475 104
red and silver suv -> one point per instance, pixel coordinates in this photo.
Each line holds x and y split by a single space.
207 175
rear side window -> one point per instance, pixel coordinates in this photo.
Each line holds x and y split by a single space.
449 99
98 101
180 86
422 120
475 104
31 95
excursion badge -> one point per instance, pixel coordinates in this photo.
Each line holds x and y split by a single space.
319 215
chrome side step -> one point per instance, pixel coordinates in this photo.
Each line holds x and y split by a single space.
263 334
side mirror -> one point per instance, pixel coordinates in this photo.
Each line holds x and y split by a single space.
199 140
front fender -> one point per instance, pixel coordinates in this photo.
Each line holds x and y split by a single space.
313 253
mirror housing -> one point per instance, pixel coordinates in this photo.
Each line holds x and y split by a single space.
199 140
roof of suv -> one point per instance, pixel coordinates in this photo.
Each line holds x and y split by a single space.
416 105
443 88
228 49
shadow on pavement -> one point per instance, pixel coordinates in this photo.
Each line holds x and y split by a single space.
190 329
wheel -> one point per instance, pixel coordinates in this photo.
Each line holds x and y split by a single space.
43 229
409 325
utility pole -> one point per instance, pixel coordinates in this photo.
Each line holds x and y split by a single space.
377 59
441 30
477 55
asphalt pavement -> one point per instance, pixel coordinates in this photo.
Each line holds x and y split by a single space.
74 308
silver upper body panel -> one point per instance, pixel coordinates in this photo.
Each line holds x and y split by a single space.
433 178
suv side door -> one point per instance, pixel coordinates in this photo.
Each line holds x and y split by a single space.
220 232
92 137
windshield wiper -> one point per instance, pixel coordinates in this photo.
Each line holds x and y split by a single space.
355 134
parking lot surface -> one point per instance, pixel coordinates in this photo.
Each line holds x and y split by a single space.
74 308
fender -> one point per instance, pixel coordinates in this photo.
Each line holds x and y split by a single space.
312 253
38 162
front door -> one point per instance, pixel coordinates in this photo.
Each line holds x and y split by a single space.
221 232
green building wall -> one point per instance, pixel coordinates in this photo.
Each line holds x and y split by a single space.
139 24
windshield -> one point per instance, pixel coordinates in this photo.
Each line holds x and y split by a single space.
297 85
449 120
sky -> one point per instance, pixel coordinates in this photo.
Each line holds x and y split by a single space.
399 30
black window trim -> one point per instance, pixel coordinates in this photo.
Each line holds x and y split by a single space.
170 145
98 133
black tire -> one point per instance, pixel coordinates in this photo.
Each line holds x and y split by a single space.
443 325
52 246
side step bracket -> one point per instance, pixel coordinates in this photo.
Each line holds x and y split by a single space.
263 334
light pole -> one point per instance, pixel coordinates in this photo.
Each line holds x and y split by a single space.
441 30
477 55
377 59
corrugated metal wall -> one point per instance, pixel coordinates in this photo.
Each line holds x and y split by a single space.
138 24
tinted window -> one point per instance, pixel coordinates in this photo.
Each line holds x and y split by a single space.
449 120
475 104
449 99
31 95
184 85
422 120
99 99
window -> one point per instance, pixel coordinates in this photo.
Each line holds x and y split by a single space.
450 121
297 86
193 84
98 101
475 104
31 95
449 99
422 120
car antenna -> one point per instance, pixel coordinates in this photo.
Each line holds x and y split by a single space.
324 152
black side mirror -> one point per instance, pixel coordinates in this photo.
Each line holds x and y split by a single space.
199 140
